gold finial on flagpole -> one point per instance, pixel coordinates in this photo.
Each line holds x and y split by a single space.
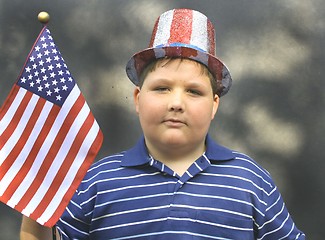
43 17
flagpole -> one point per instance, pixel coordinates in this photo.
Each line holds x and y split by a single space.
44 18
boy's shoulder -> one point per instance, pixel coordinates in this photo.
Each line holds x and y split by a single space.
104 165
245 161
244 167
237 164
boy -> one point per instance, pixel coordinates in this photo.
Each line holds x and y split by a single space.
176 182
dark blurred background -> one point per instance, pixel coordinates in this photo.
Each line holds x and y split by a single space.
274 111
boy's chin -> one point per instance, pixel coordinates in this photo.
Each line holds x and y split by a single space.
175 139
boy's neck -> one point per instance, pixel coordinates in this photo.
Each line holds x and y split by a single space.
178 160
179 166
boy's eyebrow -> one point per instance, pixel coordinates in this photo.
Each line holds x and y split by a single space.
194 83
158 80
190 82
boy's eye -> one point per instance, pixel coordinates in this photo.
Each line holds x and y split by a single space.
194 92
161 89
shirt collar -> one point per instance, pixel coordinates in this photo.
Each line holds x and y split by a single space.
216 152
138 155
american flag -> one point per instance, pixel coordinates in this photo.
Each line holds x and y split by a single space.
48 136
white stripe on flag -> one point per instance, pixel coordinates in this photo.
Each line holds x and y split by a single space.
82 153
74 94
58 160
15 136
21 158
12 110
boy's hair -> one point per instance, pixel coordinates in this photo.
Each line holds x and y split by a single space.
153 65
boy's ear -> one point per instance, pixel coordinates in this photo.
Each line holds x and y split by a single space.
215 105
136 94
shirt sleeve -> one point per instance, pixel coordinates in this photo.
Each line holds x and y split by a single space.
277 222
74 223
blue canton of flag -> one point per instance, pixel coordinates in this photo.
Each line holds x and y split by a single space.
46 73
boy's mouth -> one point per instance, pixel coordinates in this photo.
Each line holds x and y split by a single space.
174 122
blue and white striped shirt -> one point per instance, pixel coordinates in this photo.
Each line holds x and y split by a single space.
223 195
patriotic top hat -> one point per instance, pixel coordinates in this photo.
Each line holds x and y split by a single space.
182 33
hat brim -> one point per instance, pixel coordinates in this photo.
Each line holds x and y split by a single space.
140 60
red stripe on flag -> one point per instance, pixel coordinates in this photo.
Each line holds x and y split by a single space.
68 161
48 160
181 27
12 156
76 181
15 119
12 95
32 155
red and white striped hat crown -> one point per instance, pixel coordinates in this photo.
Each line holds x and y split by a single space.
182 33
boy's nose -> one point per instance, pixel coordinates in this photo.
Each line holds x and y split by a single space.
176 103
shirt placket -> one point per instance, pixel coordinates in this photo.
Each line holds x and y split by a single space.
179 218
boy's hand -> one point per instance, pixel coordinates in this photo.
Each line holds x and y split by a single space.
31 230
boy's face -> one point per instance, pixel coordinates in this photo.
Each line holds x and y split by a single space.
176 105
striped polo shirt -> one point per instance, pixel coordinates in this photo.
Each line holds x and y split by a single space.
223 195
